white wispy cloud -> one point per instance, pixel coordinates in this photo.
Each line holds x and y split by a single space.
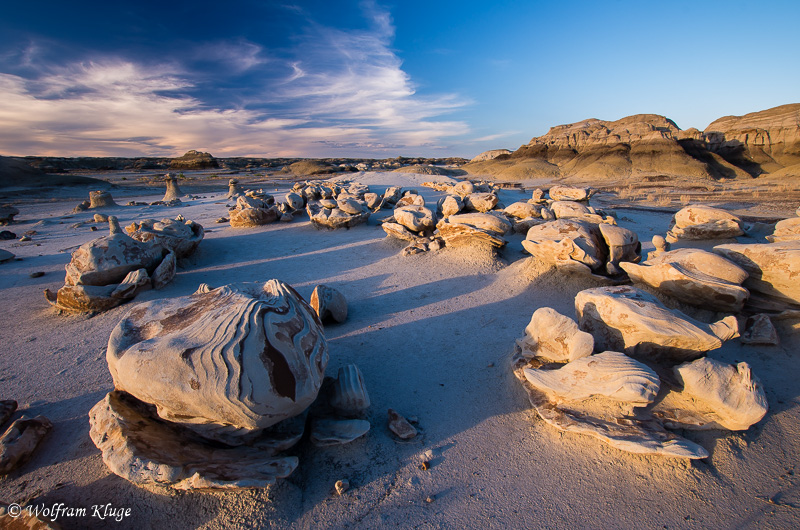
342 90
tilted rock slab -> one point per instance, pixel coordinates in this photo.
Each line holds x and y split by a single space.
226 362
695 277
774 272
139 447
703 222
627 319
469 228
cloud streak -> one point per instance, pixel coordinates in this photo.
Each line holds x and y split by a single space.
334 93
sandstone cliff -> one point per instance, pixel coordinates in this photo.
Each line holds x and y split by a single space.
649 145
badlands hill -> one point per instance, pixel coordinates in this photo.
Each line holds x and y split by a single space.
649 145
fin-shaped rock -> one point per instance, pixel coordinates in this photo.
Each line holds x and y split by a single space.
350 396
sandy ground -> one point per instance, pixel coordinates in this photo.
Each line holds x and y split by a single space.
433 335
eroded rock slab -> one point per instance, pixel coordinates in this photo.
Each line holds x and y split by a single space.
20 441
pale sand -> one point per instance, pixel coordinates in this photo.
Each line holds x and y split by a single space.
433 335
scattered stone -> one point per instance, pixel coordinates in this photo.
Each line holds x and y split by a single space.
555 337
6 235
425 466
286 218
20 441
429 499
400 426
93 228
37 274
626 319
5 256
83 206
100 218
410 199
758 329
329 304
222 220
399 231
25 238
392 195
327 432
341 486
162 357
373 200
350 397
538 196
703 222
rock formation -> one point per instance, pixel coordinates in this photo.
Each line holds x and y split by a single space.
178 235
490 155
703 222
194 160
173 191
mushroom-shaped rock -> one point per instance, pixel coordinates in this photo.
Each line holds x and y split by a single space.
721 395
609 374
349 395
623 318
694 276
415 218
234 189
225 363
773 268
523 210
333 218
180 236
173 191
101 199
569 193
329 304
661 246
451 205
566 242
786 230
703 222
555 337
623 245
481 202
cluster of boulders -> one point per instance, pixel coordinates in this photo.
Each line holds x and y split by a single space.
211 389
113 269
600 376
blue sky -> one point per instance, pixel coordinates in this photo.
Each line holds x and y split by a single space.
374 79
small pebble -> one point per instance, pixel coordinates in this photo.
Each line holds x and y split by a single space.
25 238
342 486
37 274
429 499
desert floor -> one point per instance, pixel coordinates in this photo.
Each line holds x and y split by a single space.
433 334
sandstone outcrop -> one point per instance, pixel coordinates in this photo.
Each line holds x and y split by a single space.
194 160
178 235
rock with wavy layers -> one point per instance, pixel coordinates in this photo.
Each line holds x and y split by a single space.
617 428
774 273
703 222
609 374
494 223
178 235
627 319
555 337
226 362
715 395
469 229
566 241
349 396
145 450
693 276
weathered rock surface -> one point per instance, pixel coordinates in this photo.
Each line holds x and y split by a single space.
178 235
398 231
565 243
481 202
555 337
253 209
101 199
225 363
609 374
758 329
140 447
20 441
694 276
523 210
774 270
629 320
451 205
400 426
569 193
329 304
415 218
333 218
703 222
173 190
786 230
720 395
234 189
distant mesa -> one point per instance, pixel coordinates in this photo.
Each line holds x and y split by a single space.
194 160
650 145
